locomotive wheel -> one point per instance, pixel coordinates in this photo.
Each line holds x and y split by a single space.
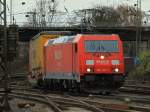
78 87
40 82
32 81
105 92
46 84
51 84
66 85
118 84
61 85
69 85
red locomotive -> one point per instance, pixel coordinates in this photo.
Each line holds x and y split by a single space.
84 61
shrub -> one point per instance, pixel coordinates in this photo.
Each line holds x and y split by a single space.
142 71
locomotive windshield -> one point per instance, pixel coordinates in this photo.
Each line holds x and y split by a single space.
101 46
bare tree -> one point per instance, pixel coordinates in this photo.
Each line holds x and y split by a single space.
123 15
43 13
105 16
129 15
52 7
146 19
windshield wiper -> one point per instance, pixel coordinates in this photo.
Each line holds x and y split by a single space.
105 50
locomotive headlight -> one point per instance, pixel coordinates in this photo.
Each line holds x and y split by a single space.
116 70
102 57
115 62
89 62
88 70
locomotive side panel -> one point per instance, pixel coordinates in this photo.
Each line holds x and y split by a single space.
121 58
59 61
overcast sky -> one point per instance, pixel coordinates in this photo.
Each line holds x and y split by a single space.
71 5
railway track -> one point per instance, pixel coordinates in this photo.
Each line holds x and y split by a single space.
58 101
57 105
89 104
139 83
138 86
135 89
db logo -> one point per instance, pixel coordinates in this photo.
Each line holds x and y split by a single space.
58 55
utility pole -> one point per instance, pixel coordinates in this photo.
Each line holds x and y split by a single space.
11 12
0 13
4 57
138 27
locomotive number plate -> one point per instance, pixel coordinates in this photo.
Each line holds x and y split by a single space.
102 61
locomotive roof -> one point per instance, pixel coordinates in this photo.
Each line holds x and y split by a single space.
61 39
64 39
108 35
53 33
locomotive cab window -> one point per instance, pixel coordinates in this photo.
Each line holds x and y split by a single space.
101 46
